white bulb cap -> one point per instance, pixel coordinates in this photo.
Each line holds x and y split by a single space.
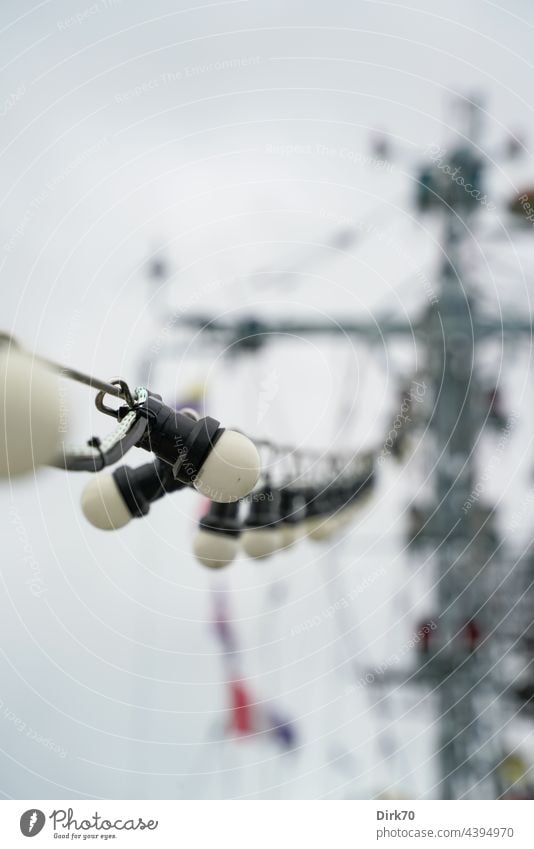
325 529
261 542
360 503
103 505
215 549
231 469
290 534
30 413
344 517
312 523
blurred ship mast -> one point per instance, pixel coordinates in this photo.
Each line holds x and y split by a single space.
463 663
468 746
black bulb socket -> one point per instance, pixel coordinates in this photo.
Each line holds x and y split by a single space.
177 439
141 486
264 509
292 506
222 518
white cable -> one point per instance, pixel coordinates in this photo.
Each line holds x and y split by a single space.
140 395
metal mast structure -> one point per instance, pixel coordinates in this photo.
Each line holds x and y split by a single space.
467 740
463 663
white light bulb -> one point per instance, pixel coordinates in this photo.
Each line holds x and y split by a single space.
324 529
30 413
344 517
103 505
261 542
290 533
231 469
215 549
311 524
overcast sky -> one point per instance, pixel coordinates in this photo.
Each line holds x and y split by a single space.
235 136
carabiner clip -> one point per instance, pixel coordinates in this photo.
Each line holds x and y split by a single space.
125 394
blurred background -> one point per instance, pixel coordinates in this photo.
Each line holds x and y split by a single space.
258 163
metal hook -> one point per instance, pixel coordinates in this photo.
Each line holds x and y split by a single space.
124 393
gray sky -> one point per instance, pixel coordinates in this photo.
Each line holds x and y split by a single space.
236 135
